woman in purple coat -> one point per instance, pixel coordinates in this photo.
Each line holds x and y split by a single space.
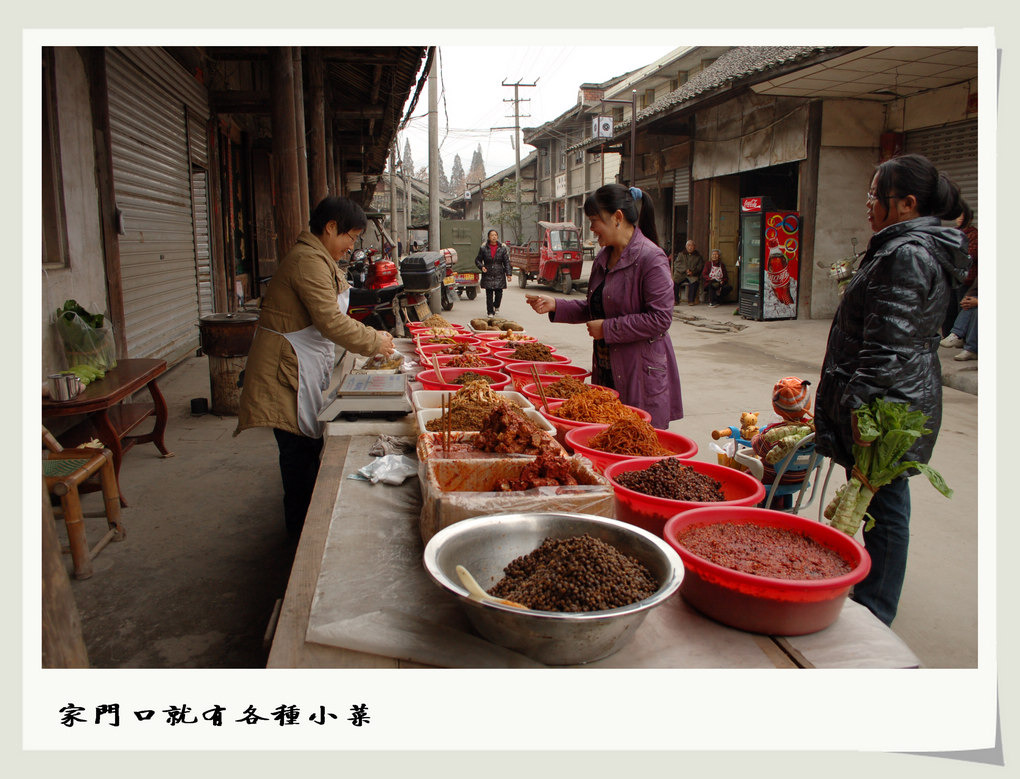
629 307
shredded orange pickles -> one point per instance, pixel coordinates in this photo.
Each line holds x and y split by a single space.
629 436
595 405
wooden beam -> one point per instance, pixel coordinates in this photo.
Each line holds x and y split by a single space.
367 112
240 102
316 128
288 212
94 59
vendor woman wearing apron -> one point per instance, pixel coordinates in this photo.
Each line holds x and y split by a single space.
291 361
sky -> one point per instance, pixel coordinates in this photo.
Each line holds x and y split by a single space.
472 98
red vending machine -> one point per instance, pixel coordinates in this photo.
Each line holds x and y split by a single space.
769 254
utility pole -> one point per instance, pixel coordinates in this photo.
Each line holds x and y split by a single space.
517 137
434 157
393 200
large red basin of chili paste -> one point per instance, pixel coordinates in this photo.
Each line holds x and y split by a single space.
761 597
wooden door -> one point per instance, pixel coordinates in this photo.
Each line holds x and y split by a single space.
724 222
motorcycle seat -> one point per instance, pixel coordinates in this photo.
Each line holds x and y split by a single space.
386 294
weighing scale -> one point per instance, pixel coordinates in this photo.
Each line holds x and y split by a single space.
369 395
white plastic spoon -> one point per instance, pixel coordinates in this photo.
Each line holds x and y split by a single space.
477 593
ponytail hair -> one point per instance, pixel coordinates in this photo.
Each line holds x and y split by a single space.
936 193
635 205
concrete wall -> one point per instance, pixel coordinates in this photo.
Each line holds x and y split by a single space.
847 159
85 277
943 106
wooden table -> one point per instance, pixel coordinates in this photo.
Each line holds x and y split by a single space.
108 417
857 639
874 645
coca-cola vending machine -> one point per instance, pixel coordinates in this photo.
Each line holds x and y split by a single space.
769 254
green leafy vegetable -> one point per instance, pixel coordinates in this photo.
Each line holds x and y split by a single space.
890 429
71 308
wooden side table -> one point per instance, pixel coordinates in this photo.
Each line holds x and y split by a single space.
108 417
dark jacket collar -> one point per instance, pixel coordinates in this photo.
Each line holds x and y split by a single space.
947 245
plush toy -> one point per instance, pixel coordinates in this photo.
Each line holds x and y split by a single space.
791 399
748 425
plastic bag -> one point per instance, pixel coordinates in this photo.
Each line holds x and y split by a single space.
85 344
391 469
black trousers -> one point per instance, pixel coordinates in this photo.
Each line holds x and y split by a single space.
299 467
493 297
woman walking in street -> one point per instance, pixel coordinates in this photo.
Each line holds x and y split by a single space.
493 260
884 344
629 307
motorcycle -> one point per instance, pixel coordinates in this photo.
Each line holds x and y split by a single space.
376 294
446 297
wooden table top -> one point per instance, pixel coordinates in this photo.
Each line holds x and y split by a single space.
128 377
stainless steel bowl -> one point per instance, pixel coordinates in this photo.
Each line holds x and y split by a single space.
485 545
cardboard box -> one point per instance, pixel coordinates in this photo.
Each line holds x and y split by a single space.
453 490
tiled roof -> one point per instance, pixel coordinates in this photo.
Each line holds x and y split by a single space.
735 64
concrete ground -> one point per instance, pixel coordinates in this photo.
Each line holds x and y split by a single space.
206 556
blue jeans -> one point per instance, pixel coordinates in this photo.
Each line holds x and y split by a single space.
966 327
886 544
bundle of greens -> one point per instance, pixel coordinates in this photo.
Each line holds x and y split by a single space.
72 308
87 338
889 429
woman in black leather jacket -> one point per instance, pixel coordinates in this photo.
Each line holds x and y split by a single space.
493 260
884 343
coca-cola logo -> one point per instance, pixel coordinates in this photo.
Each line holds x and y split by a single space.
750 204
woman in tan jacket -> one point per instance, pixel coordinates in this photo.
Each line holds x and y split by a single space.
291 360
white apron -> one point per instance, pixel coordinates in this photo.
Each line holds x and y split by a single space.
316 356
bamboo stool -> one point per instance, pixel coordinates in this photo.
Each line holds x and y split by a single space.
63 471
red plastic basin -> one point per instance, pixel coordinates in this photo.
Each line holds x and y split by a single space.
652 513
499 335
490 362
426 351
760 604
429 381
521 374
426 340
578 438
530 391
503 344
563 426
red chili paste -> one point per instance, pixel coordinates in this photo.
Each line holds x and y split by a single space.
763 551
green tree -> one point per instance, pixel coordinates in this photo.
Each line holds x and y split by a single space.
509 217
457 185
408 161
444 183
420 211
476 173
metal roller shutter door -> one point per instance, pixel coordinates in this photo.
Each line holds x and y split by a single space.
153 189
681 187
953 149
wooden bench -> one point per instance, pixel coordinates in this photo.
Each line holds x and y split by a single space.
109 417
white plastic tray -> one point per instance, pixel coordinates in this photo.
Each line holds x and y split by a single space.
425 415
423 399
